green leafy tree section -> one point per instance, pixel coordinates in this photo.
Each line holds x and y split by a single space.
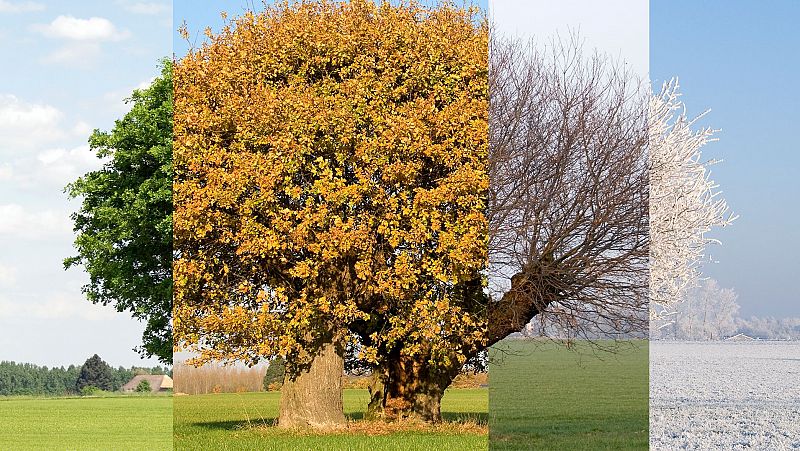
143 387
124 224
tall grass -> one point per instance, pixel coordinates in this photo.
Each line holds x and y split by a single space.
217 378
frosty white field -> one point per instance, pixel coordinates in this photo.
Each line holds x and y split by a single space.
724 395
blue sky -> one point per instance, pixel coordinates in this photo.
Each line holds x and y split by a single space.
67 66
198 18
740 59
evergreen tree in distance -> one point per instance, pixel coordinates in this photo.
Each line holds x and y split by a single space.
95 373
275 372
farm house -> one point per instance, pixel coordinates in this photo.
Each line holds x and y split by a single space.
158 383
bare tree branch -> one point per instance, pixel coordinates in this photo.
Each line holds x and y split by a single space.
568 202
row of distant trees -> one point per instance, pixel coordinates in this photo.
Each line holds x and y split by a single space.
35 380
217 378
711 312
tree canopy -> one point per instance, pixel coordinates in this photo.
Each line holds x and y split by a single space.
143 387
124 224
330 182
275 373
686 203
330 171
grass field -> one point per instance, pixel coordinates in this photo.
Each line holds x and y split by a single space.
110 423
245 422
543 396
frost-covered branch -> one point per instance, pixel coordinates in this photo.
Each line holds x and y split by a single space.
685 203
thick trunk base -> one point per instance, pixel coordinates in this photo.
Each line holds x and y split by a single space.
313 398
413 392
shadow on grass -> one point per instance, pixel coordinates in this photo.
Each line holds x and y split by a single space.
481 418
461 417
236 425
448 417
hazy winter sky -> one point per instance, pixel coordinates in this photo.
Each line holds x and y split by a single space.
66 68
616 27
740 59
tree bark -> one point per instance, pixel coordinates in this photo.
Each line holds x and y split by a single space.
377 397
414 390
312 397
530 293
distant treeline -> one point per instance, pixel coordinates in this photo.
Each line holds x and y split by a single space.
29 379
217 378
711 312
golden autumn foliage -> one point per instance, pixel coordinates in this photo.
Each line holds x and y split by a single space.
330 182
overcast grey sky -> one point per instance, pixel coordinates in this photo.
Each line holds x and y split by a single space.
67 66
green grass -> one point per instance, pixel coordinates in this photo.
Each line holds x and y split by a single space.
544 396
102 423
245 422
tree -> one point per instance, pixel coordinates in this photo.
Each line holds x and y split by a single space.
569 191
121 377
144 387
275 373
95 373
707 313
770 328
685 203
330 189
124 224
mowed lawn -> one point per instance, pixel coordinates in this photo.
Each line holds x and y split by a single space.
246 421
110 423
546 397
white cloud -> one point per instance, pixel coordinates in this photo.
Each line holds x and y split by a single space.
146 8
51 169
27 125
20 7
55 306
8 275
17 222
71 28
81 37
74 54
116 98
62 166
82 129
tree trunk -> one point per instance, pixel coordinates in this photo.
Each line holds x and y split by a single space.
414 391
312 397
531 292
377 397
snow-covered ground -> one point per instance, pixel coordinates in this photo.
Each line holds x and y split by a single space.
725 395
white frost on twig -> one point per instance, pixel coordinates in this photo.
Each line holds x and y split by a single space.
685 204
